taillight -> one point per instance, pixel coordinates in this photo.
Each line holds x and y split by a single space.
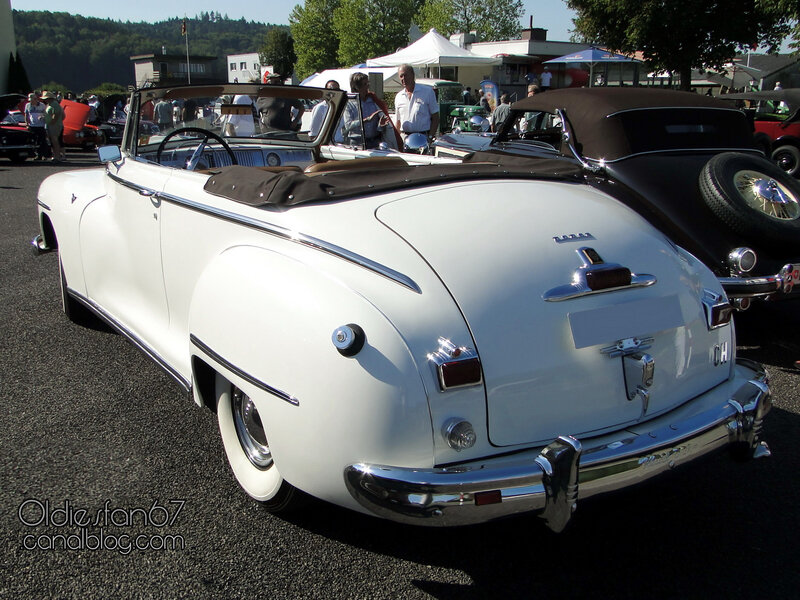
455 366
718 309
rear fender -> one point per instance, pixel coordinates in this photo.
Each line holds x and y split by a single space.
265 321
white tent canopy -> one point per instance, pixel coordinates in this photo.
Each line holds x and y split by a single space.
433 49
391 82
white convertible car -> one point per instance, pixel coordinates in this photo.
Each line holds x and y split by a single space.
437 344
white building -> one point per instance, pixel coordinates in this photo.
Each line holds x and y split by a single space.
244 68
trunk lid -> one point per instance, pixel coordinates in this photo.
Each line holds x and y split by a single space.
545 371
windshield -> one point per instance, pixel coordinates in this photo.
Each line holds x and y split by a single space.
238 115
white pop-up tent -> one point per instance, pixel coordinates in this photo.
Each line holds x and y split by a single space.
433 49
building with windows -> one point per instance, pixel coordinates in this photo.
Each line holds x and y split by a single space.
173 69
244 68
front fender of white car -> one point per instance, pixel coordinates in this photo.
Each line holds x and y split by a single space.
62 199
321 409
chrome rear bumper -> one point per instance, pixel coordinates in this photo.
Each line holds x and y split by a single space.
757 287
550 481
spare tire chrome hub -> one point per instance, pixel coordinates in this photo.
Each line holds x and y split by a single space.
767 195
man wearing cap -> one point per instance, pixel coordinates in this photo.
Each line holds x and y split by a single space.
54 123
34 117
415 105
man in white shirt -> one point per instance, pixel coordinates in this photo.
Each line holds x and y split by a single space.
546 79
415 106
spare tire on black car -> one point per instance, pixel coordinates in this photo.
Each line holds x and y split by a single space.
754 198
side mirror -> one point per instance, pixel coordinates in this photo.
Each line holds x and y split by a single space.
109 154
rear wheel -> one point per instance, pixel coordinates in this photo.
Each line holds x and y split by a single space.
754 198
247 448
788 159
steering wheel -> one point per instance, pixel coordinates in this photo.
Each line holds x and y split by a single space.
195 158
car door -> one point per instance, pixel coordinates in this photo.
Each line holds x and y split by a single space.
121 248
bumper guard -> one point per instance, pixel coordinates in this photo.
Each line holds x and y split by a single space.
550 481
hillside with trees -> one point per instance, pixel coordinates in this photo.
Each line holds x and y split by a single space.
82 52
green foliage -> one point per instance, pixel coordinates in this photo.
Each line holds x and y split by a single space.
438 15
53 86
17 76
368 28
316 43
278 51
106 89
491 19
83 52
678 35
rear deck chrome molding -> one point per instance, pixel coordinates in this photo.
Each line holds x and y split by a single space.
278 231
134 339
240 373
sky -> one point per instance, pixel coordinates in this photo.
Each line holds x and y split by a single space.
552 15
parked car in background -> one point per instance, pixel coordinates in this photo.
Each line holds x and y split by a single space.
437 344
684 161
776 120
77 132
16 142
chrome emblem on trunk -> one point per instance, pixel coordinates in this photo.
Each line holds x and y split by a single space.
572 237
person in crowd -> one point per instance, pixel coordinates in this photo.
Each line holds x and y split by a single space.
373 120
546 79
533 89
415 105
320 110
483 101
466 95
54 123
241 124
501 113
35 117
162 114
279 112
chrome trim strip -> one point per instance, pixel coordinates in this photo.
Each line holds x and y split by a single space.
537 481
571 291
281 232
691 108
135 340
43 205
246 376
604 161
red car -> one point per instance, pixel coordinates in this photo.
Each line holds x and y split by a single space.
776 118
76 131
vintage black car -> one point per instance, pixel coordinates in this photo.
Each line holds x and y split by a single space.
687 162
16 142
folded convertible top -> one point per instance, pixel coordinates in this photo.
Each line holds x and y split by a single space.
258 187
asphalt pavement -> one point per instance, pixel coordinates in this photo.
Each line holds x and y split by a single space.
115 485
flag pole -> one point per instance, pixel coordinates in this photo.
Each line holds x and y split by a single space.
188 65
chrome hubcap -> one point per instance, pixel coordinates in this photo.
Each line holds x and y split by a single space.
250 430
767 195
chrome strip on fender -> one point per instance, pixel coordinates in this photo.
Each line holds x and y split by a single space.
281 232
246 376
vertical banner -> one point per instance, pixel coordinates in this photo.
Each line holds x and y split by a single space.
491 93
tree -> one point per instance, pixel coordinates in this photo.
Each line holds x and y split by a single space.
368 28
787 13
278 51
680 35
316 42
491 19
